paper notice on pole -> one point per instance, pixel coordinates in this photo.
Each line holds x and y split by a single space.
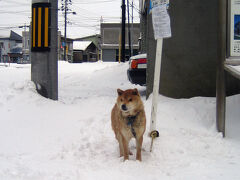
160 2
161 22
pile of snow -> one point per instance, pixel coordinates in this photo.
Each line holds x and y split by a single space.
72 139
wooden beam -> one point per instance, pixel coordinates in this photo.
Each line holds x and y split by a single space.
220 77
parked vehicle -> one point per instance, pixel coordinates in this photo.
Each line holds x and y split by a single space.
137 69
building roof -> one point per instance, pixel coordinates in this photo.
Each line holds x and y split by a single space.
68 39
88 37
81 45
15 36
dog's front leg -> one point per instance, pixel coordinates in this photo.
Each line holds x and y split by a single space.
139 141
125 148
119 138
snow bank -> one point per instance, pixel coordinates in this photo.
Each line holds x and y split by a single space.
71 139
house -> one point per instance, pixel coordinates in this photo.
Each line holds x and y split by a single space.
15 54
96 39
110 40
84 51
9 47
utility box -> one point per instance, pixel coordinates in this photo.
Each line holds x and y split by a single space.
233 49
44 62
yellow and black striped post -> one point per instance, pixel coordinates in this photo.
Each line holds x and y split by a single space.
41 26
44 47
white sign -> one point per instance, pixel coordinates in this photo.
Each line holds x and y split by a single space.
161 22
160 2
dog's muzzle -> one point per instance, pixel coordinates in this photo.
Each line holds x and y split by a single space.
124 107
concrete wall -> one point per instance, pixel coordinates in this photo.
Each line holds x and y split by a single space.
190 55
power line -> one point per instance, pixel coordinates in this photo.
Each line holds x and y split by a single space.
84 9
87 17
135 8
16 12
12 27
17 3
97 2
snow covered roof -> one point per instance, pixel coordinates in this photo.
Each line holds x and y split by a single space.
81 45
13 36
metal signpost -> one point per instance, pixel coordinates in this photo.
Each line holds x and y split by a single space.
161 27
44 68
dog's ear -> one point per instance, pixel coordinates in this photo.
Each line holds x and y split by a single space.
135 91
120 92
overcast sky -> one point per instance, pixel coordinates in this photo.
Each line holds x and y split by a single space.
15 13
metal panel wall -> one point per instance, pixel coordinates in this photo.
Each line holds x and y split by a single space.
109 55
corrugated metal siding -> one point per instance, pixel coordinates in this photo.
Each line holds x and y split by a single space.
109 55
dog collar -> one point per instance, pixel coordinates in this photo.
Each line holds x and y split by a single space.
130 121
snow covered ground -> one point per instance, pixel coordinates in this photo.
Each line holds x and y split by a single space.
72 139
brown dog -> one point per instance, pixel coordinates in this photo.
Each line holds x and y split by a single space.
129 120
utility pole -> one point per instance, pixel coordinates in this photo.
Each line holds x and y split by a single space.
132 31
129 33
66 10
25 39
123 31
44 61
65 30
